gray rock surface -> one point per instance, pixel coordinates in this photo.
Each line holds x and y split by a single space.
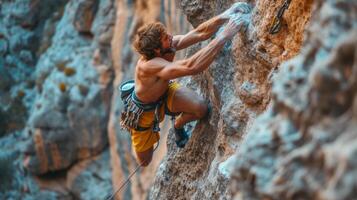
304 145
22 25
60 62
70 112
284 105
62 94
238 86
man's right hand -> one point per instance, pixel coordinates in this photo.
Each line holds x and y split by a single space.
233 27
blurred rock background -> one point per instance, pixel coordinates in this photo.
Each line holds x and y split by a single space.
61 62
283 124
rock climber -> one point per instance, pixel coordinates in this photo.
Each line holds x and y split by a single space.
155 93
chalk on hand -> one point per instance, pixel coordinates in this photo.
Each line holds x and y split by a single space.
240 14
241 20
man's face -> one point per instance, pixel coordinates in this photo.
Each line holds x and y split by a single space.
166 43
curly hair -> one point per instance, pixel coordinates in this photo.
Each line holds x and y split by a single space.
148 38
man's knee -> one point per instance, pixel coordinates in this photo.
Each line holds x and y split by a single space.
145 163
144 158
202 109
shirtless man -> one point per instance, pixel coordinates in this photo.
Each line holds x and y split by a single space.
156 68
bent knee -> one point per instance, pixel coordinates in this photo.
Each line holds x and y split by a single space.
144 158
202 110
145 163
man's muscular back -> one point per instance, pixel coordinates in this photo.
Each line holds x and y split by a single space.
149 87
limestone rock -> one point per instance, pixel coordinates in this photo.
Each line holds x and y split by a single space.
311 116
284 105
64 127
71 51
68 126
85 15
6 80
91 179
237 85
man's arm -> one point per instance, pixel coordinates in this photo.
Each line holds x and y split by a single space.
208 28
201 33
196 63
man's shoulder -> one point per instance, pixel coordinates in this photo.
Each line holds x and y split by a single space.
154 62
151 66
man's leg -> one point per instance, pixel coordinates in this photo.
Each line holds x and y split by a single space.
145 157
190 104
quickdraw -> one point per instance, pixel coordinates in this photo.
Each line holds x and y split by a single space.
276 24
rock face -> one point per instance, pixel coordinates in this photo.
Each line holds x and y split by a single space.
68 119
22 30
283 115
303 145
60 62
64 91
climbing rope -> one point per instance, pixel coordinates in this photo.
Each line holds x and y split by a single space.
125 182
276 25
132 174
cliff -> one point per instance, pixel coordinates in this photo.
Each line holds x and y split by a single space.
238 86
283 121
61 62
283 115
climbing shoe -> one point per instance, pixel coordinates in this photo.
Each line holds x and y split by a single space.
208 113
181 137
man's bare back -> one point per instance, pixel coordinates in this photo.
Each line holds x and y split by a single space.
149 88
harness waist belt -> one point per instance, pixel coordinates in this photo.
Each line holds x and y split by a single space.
147 106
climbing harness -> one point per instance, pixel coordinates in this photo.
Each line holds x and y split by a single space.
277 21
130 120
156 127
134 108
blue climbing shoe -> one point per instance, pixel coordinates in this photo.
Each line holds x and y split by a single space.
181 137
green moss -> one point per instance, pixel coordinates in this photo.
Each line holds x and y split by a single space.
68 71
62 86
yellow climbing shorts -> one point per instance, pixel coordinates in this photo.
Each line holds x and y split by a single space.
144 140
